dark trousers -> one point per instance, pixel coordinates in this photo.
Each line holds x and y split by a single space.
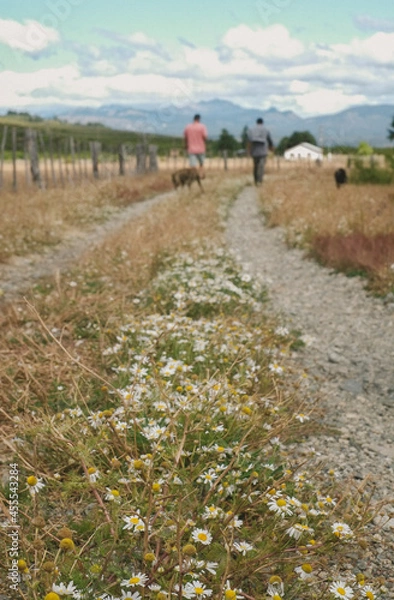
258 168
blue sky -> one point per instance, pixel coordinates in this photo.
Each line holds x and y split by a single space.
310 57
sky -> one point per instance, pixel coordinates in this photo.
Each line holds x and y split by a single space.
311 57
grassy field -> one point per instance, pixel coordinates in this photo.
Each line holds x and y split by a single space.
147 405
350 229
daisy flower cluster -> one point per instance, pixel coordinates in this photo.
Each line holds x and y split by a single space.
175 479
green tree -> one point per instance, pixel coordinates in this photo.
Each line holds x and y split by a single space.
364 149
391 131
227 142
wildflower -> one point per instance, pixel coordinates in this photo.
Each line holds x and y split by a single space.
231 593
52 596
275 588
368 592
136 579
305 571
196 589
134 522
342 530
112 496
35 484
128 596
296 530
208 477
341 590
202 535
280 506
93 474
63 590
275 368
243 547
302 418
211 512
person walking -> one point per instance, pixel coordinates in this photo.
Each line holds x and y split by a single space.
195 136
259 143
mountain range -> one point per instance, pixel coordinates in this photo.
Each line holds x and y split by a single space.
348 127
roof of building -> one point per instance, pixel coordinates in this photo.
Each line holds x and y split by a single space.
306 145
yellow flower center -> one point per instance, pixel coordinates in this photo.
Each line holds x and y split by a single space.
370 595
275 579
134 580
230 594
149 557
199 591
91 470
220 449
281 502
138 464
156 487
67 544
246 410
32 480
276 597
52 596
22 564
307 568
341 591
115 493
203 537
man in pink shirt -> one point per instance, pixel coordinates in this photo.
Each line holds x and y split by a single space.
195 135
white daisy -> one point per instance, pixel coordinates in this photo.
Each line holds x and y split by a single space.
341 590
139 579
196 589
35 484
243 547
202 535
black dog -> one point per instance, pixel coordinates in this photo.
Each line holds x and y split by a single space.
186 177
340 177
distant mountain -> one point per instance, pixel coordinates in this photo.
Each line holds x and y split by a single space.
348 127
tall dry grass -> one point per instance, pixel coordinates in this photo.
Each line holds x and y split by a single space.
349 229
33 218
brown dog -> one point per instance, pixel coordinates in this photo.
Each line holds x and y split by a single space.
186 177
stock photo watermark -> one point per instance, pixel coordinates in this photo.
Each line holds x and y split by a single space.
269 9
13 527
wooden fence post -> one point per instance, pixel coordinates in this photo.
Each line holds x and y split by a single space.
41 138
72 149
59 155
153 166
14 180
3 141
140 151
31 138
51 159
121 156
95 148
225 154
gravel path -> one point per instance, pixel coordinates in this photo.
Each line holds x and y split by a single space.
349 357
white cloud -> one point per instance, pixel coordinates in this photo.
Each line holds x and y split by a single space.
258 67
29 37
272 42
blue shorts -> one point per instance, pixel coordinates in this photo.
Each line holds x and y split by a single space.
195 159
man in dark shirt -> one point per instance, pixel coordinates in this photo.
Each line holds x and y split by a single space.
260 142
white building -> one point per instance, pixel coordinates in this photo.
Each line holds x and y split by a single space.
304 151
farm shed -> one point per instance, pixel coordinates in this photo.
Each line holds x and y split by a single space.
304 151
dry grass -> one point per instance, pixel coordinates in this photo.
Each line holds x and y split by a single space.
32 219
79 304
350 229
